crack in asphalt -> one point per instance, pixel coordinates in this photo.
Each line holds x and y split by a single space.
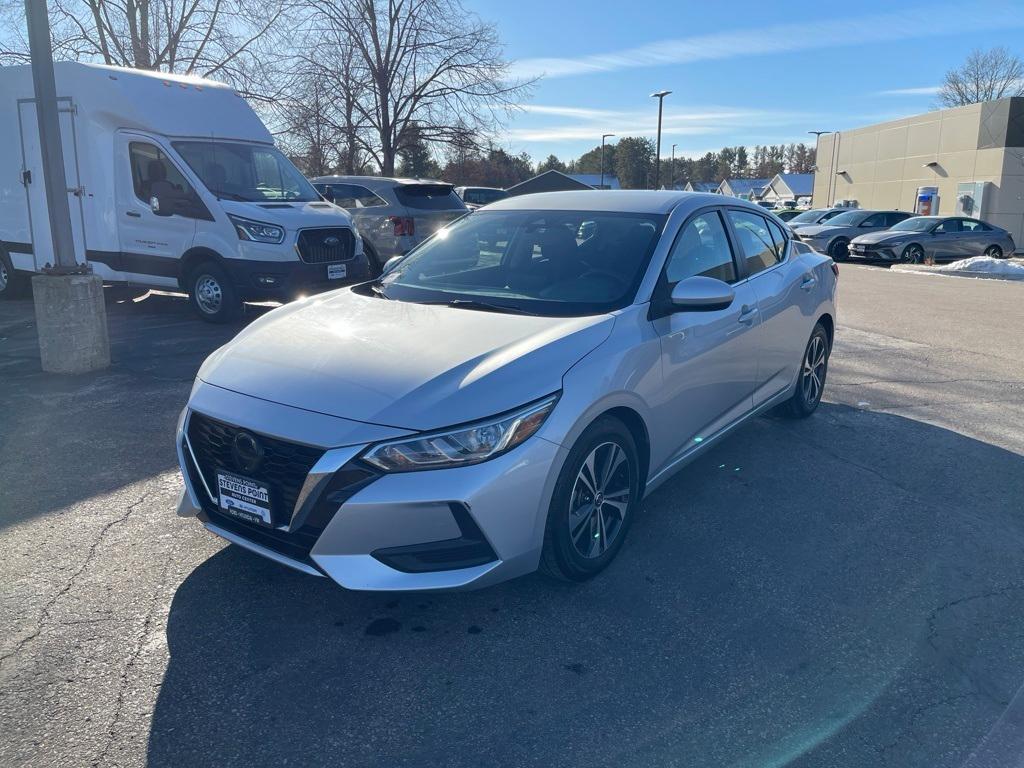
45 614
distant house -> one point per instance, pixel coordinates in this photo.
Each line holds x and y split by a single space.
789 186
594 180
701 186
549 181
748 189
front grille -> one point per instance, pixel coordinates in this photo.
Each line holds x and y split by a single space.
322 246
284 469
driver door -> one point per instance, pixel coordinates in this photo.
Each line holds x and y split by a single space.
151 245
709 358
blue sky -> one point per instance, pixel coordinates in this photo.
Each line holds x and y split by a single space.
741 72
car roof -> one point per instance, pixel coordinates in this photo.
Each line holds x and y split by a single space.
616 200
378 180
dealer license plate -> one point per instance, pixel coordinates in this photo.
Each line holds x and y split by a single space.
336 271
244 498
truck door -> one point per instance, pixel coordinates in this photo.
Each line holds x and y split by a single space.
151 245
35 184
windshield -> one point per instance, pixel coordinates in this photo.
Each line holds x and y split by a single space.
252 173
558 263
808 217
483 196
848 219
916 224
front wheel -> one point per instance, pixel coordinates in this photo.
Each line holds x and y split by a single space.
994 252
811 382
595 499
11 284
913 254
213 295
839 249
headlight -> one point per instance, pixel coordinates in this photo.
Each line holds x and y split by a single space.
462 446
258 231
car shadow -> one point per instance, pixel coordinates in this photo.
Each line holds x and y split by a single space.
837 591
67 438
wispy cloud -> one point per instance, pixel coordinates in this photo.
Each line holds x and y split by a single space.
927 90
925 21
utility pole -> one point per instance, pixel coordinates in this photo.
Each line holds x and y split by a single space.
660 96
672 169
603 137
71 317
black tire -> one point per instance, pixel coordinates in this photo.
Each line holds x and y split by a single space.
561 557
995 252
212 294
12 284
839 249
913 254
806 398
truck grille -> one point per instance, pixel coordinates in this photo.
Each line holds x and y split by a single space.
323 246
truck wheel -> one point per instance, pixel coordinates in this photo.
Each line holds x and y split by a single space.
213 295
11 284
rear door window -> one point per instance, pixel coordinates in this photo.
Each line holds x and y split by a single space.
429 197
353 196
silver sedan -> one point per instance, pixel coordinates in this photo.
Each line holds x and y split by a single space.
505 396
934 238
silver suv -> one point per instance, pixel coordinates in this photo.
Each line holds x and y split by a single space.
392 215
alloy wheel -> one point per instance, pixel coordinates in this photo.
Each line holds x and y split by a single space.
813 374
599 500
994 251
914 255
209 295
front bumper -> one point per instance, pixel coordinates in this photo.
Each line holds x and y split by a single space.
873 252
284 280
448 529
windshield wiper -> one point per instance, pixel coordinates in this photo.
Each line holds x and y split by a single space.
484 306
234 196
378 289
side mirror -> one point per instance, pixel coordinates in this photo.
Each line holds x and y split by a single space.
328 195
701 294
161 207
391 262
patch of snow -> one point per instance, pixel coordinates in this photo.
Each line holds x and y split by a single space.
986 265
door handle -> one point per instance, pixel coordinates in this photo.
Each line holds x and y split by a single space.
133 214
809 282
747 315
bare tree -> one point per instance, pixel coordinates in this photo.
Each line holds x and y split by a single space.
986 75
430 68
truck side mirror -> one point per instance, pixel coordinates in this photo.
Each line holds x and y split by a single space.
159 207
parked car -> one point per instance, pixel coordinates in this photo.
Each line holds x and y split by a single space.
813 217
937 238
482 410
392 215
158 201
477 197
787 215
834 236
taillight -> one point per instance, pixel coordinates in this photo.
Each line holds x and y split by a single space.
835 269
403 225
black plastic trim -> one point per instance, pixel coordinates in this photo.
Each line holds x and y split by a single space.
469 550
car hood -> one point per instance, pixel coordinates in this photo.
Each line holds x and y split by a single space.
885 236
398 364
818 230
291 216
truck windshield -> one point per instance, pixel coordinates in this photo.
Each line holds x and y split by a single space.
253 173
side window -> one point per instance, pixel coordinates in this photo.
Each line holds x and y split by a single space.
969 225
948 227
780 239
355 196
875 220
701 248
755 241
896 217
152 172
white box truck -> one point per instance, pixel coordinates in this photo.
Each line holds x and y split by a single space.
174 183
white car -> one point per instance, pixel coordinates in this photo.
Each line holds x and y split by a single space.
506 394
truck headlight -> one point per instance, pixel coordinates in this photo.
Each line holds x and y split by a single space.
461 446
258 231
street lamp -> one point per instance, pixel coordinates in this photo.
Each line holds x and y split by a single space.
660 96
672 169
603 137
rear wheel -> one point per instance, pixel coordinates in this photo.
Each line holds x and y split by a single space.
595 498
811 382
913 254
995 252
839 249
213 295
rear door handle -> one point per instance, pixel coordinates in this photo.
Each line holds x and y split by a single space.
133 214
809 282
747 315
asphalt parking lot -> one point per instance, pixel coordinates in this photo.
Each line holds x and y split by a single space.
842 591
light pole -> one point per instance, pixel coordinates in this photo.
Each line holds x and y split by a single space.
672 169
660 96
603 137
71 319
817 140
